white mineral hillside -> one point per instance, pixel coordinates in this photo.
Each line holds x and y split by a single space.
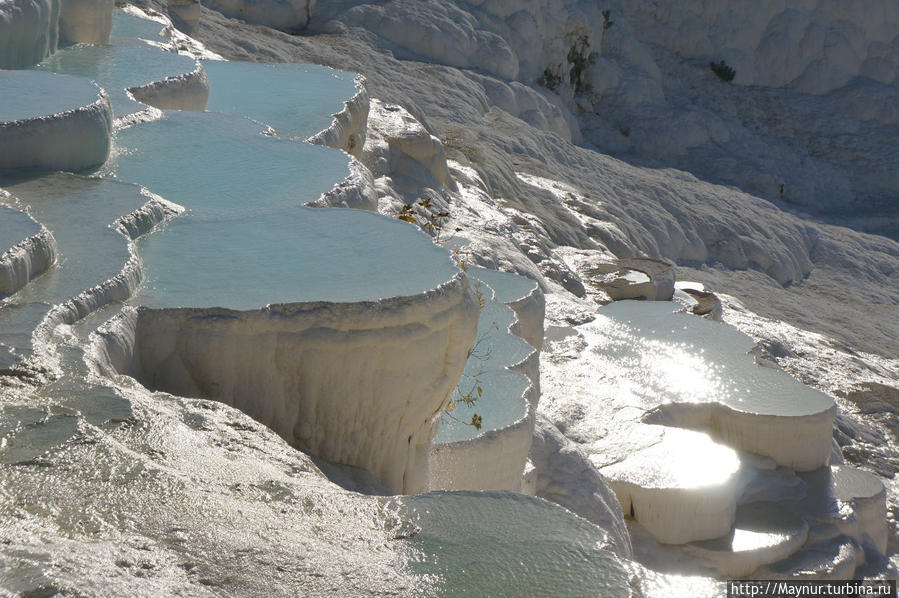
589 152
637 81
31 30
614 206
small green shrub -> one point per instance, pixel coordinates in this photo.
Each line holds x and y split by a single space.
724 72
606 19
549 80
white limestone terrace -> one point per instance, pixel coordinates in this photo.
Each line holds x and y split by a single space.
651 364
31 30
136 68
29 249
763 533
65 122
287 15
52 122
844 530
502 377
93 223
849 501
317 288
306 255
680 485
812 275
826 524
93 456
85 21
524 296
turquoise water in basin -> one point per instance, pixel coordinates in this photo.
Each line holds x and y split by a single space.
296 100
15 227
30 94
128 29
680 358
118 67
510 545
246 240
502 402
506 286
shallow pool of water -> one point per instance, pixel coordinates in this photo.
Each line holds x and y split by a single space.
296 100
501 401
118 67
30 94
15 227
246 240
506 286
508 544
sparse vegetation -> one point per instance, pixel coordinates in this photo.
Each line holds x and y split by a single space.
607 22
475 390
580 60
549 80
724 72
455 140
433 222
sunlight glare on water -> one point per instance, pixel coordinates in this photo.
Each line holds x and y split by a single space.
681 358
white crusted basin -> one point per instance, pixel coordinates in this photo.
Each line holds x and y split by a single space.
52 122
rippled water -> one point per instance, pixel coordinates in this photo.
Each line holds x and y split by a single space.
507 545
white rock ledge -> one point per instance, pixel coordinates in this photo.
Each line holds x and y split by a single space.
73 140
682 489
347 130
86 21
530 311
31 30
361 384
494 460
189 91
802 443
28 31
26 260
286 15
565 476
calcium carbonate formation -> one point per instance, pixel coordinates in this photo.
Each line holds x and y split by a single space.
178 317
